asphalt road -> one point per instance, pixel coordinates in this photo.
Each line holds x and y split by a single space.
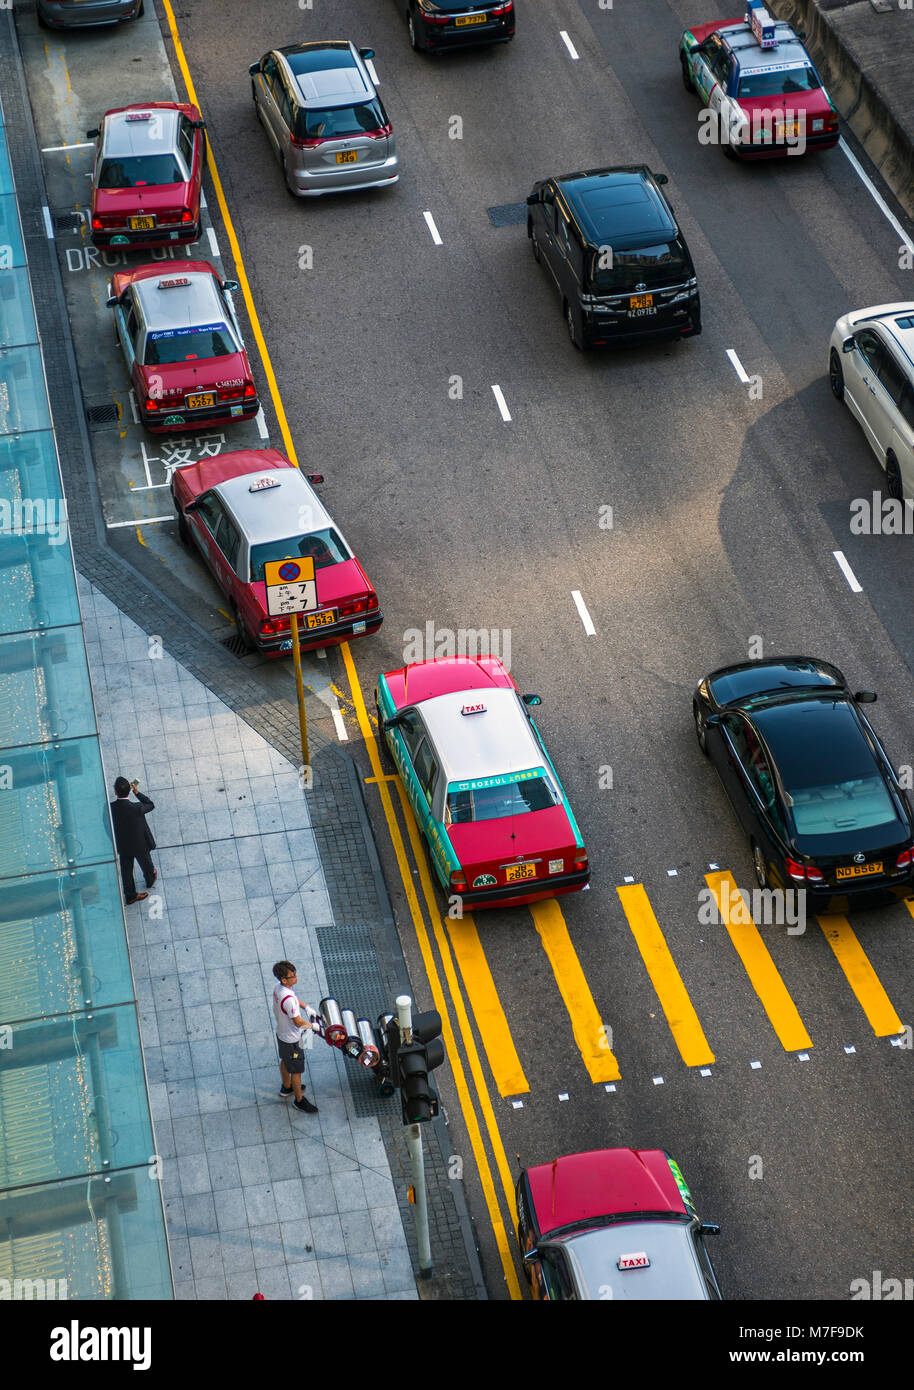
726 507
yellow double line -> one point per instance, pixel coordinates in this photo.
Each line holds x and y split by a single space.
441 939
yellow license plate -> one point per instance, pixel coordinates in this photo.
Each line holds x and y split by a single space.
787 132
858 870
321 619
205 398
142 224
348 157
514 873
470 19
641 301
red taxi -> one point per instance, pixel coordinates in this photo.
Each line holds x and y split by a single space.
146 180
183 347
499 827
248 507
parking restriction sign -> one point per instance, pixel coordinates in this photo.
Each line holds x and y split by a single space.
291 586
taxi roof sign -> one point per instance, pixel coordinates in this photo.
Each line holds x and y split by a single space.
478 708
174 282
637 1260
761 24
260 484
139 116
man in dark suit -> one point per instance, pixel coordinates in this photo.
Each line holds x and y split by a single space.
132 836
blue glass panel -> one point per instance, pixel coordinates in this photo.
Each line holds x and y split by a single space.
6 177
44 687
17 317
11 249
86 1239
54 813
23 398
28 468
37 584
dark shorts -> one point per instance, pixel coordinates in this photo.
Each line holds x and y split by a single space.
292 1056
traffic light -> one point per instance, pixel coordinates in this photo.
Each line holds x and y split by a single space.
414 1061
389 1038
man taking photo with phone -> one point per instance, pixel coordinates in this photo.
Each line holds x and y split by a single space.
132 836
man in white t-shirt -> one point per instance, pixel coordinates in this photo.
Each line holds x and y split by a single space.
292 1019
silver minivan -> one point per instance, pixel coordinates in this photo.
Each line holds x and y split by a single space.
318 104
871 369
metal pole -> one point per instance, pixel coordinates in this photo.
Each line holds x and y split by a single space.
416 1156
302 723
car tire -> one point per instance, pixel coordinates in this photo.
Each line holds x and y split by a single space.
701 731
535 245
140 11
572 327
893 482
686 79
285 174
836 375
411 29
761 868
242 629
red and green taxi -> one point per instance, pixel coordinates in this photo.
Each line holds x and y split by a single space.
489 802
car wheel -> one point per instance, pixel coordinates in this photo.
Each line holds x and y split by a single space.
572 327
836 376
411 26
686 79
139 13
893 476
761 869
242 629
535 246
285 173
701 729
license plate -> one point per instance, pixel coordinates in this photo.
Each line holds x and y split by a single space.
858 870
788 132
197 402
515 873
142 224
641 301
348 157
470 19
321 619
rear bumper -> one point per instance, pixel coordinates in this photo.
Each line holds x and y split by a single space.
782 150
344 631
87 15
515 894
184 420
604 330
345 179
470 36
119 240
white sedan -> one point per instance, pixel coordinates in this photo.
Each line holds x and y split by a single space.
871 369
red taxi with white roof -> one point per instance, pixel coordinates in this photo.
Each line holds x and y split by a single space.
499 827
146 180
757 76
248 507
183 347
613 1223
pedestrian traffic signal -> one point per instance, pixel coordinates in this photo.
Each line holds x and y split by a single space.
414 1061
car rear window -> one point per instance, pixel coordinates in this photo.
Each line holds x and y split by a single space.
336 122
138 171
778 84
324 547
170 345
834 808
491 798
667 263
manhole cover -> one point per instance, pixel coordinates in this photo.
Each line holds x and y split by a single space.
508 214
235 645
67 221
102 414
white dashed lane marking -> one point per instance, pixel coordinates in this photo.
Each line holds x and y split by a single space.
569 45
847 572
430 223
501 403
585 617
877 197
738 367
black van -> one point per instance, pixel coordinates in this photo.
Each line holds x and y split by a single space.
621 265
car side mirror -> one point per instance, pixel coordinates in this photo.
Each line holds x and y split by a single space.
849 344
111 302
93 134
712 721
865 697
531 1256
191 506
230 286
661 178
801 35
254 69
532 699
392 723
315 477
198 125
533 199
366 52
709 1228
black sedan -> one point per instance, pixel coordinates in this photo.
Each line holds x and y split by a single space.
437 24
808 778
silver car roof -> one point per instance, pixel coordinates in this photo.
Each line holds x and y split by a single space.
180 306
333 86
673 1273
158 135
271 513
788 52
499 740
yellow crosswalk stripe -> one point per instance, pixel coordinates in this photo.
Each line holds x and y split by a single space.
761 969
672 993
589 1032
861 976
490 1016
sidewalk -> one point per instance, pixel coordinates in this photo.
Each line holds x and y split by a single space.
864 50
257 1196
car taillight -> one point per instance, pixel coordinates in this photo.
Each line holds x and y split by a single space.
502 9
380 133
814 875
270 626
905 859
302 143
151 404
831 122
353 606
187 215
796 870
108 220
229 393
250 390
458 881
580 860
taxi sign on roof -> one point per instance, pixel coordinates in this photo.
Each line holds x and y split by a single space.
260 484
638 1260
478 708
761 24
173 283
139 115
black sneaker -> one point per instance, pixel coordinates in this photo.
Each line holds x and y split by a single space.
286 1092
305 1105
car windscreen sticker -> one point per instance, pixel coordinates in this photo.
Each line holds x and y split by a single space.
506 779
684 1192
184 332
637 1260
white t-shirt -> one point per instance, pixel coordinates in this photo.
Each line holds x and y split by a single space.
286 1006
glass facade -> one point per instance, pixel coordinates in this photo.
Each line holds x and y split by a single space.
81 1212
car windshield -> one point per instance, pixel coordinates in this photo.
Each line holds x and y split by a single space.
836 807
491 798
651 266
324 547
336 122
140 171
188 344
778 84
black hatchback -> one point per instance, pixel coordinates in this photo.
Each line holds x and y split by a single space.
611 243
808 778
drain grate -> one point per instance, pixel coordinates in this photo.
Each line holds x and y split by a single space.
102 414
235 645
67 221
353 979
508 214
